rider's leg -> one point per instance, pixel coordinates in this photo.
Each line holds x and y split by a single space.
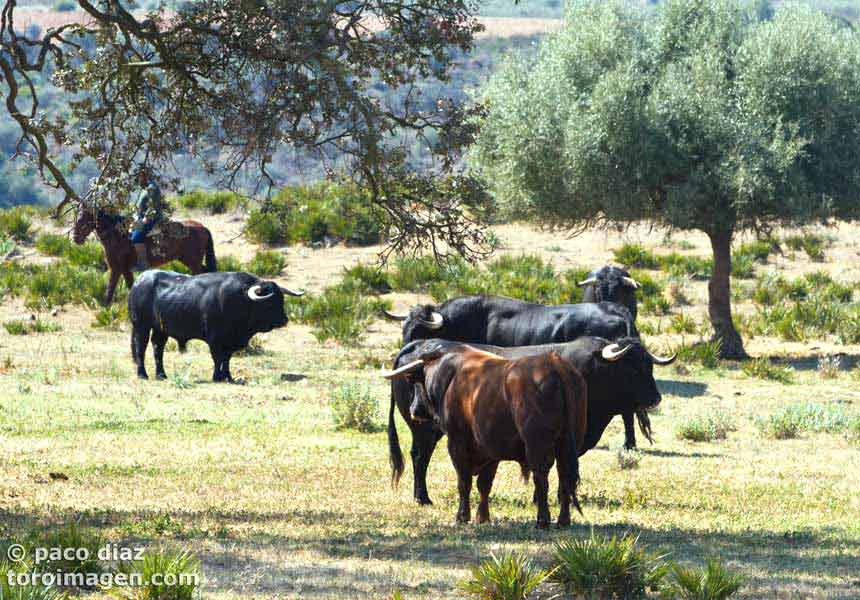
138 238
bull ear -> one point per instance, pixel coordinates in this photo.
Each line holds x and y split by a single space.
401 371
289 292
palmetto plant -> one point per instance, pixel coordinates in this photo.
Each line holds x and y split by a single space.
711 583
606 567
506 577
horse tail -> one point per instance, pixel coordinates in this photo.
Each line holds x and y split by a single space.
211 263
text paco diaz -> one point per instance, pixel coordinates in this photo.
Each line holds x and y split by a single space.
108 552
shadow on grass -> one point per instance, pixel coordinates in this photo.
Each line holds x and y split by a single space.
290 563
683 389
811 361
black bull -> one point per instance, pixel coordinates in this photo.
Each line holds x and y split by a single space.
619 378
223 309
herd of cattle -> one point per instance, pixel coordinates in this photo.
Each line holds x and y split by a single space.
503 379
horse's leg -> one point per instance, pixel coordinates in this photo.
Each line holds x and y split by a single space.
129 279
114 278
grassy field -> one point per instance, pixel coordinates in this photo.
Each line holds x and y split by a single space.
255 480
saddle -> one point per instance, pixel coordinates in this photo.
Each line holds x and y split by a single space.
163 234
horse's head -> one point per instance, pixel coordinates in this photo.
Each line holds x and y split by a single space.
84 224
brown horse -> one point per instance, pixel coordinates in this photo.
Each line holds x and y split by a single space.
121 257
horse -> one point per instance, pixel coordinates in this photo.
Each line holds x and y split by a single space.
121 257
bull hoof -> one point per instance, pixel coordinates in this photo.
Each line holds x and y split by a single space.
542 525
424 501
463 518
142 375
161 376
562 524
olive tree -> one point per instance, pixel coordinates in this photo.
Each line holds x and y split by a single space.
698 115
232 81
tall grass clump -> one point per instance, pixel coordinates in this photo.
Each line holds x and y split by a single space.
341 312
354 407
70 537
214 203
24 327
636 256
758 250
25 589
179 576
373 279
16 223
506 577
762 368
229 263
88 255
812 244
706 353
791 420
705 427
266 263
714 582
606 567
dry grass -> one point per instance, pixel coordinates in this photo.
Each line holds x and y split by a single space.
256 481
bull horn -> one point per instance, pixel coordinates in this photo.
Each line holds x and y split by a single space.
613 352
395 316
661 360
404 369
290 292
631 282
589 281
436 321
254 293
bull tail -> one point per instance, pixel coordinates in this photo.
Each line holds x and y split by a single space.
394 453
575 402
645 425
211 263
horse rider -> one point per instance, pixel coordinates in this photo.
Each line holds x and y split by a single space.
148 213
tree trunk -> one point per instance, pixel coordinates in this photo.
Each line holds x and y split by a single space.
720 297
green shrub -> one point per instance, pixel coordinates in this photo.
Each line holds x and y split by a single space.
22 327
416 274
681 323
312 213
176 266
341 312
679 265
714 582
705 427
267 263
636 256
7 245
811 243
508 577
789 421
16 223
758 250
705 353
354 407
743 266
89 254
601 567
52 244
229 263
762 368
370 278
852 429
214 203
179 576
111 317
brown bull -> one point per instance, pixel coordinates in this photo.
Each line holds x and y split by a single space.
531 410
